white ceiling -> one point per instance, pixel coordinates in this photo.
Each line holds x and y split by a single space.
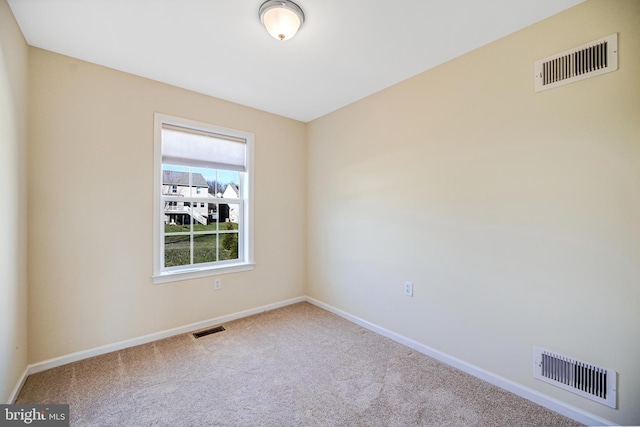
346 50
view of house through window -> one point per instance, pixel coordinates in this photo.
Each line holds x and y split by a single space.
197 231
203 197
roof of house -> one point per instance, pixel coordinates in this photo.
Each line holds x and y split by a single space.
234 187
182 178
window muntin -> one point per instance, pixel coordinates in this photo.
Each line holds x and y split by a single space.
203 184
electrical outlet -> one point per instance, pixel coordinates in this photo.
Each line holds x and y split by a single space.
217 284
408 289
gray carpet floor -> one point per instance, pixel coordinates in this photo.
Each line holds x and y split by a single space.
295 366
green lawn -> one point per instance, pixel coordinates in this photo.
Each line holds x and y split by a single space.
199 227
177 248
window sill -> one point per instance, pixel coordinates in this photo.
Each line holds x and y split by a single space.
175 276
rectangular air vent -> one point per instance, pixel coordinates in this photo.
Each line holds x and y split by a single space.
590 381
589 60
209 331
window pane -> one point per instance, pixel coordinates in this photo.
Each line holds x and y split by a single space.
173 228
176 217
228 245
210 226
175 180
224 226
234 216
206 180
199 214
212 216
199 185
176 250
230 181
204 248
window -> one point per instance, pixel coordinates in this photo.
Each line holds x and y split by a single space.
203 219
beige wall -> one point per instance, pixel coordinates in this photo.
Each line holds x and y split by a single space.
515 214
90 237
13 176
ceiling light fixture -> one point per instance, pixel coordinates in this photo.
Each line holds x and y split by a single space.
281 18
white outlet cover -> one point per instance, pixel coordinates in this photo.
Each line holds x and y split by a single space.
408 289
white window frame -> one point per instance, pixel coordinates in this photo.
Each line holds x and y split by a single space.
164 275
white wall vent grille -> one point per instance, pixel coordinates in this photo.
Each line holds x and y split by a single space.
593 382
589 60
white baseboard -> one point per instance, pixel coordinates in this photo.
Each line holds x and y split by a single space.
18 386
97 351
518 389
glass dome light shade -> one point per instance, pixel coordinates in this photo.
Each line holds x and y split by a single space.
282 19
